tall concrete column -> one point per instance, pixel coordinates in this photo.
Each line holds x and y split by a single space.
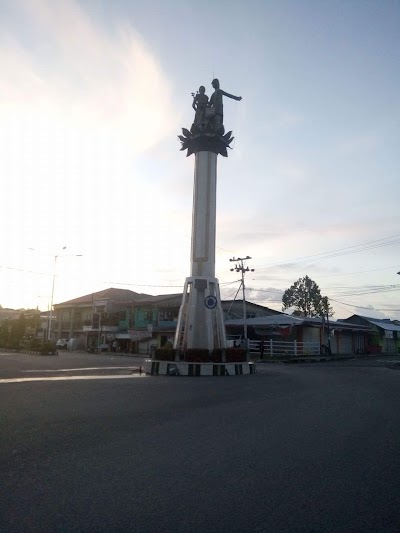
204 215
200 322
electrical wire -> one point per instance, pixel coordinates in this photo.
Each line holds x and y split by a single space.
363 306
350 294
359 272
368 245
27 271
347 250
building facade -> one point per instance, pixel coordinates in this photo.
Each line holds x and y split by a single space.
125 321
384 334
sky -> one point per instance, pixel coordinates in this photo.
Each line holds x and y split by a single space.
95 192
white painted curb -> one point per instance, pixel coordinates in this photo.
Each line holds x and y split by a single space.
173 368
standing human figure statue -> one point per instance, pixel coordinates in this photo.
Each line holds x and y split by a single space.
200 101
216 104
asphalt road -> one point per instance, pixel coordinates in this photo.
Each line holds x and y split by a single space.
302 448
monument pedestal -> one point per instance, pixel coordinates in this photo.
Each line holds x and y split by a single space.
200 321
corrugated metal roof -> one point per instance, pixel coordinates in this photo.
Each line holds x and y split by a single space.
385 325
288 320
121 295
274 320
161 298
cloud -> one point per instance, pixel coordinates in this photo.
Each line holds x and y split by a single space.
78 104
296 172
281 119
371 312
363 142
80 76
268 294
288 119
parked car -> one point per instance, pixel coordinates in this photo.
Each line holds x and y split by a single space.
62 343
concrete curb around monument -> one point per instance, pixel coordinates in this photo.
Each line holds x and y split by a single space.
180 368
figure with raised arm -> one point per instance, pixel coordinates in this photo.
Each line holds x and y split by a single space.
216 107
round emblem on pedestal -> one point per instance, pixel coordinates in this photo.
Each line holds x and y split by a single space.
210 302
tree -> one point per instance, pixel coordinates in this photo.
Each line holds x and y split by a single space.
325 307
305 296
4 333
17 330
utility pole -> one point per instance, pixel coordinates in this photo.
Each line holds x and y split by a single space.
239 267
52 295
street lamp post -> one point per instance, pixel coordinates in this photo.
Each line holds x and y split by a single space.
50 318
52 291
52 295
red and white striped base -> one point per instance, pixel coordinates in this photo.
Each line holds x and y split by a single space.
172 368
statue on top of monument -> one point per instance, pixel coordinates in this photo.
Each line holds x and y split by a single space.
207 132
216 104
200 102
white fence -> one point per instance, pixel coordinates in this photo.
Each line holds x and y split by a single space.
273 348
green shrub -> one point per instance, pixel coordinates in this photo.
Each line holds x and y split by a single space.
216 355
165 354
235 355
35 345
48 348
197 355
14 344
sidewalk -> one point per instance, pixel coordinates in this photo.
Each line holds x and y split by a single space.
111 354
323 358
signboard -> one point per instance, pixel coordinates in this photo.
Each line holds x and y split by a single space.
139 335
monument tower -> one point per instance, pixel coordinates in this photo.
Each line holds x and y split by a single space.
200 321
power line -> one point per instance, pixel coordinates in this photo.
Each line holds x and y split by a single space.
334 287
140 285
333 253
364 307
350 294
358 272
378 289
159 286
289 280
27 271
107 282
265 290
